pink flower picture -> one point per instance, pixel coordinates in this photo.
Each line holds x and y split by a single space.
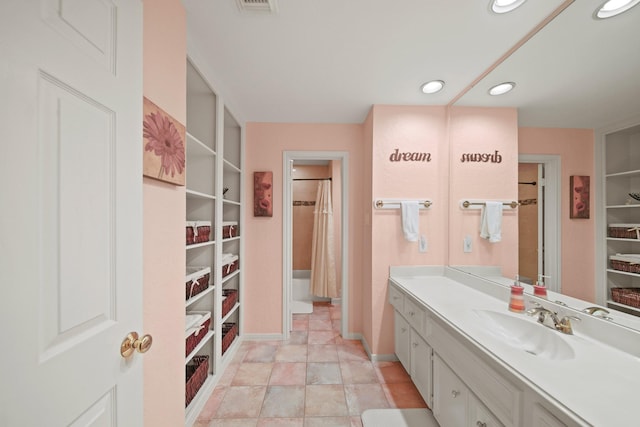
163 145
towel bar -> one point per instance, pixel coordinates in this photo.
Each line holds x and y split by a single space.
395 203
476 204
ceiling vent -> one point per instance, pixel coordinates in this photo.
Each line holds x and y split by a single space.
269 6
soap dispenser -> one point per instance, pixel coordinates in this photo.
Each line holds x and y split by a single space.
539 289
516 303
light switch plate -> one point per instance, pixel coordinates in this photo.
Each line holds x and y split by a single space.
467 244
422 243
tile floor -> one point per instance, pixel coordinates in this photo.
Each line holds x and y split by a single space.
314 379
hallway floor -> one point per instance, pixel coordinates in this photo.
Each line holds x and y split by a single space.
314 379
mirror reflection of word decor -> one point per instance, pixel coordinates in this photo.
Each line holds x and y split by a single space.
263 194
163 145
579 196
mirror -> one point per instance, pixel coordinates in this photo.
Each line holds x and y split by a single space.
577 72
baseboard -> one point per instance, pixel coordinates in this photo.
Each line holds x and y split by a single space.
377 357
262 337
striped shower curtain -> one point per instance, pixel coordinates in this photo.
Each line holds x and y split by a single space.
323 263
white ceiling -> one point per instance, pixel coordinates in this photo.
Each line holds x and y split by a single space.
329 61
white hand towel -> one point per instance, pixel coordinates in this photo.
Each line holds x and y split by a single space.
491 221
410 217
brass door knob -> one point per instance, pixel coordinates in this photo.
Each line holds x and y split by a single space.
132 342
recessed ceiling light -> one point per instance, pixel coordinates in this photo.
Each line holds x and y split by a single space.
432 87
504 6
502 88
614 7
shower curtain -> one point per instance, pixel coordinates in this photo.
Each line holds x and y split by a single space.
323 263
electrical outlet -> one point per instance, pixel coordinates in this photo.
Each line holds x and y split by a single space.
467 244
422 244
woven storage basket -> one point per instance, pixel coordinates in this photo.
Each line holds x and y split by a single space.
230 263
231 297
197 280
196 374
229 333
625 262
198 231
624 231
229 229
195 334
627 296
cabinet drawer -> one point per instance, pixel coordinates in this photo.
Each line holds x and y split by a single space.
414 314
450 396
479 415
502 398
396 299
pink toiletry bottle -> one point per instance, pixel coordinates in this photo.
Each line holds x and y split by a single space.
539 289
516 303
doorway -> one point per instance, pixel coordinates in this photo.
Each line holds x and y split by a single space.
539 219
340 184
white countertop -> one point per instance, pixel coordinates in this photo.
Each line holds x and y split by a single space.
600 383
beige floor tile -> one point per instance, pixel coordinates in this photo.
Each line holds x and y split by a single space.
358 372
326 401
361 397
322 353
323 373
291 353
283 401
288 373
242 402
403 395
327 422
280 422
253 374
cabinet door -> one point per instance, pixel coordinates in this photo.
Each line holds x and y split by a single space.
450 396
480 416
541 417
421 366
402 337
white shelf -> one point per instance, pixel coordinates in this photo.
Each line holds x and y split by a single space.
616 239
198 297
230 239
201 344
624 306
201 245
192 194
626 273
623 206
230 276
196 148
231 202
230 167
230 313
627 174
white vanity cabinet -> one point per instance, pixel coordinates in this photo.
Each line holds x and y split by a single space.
462 384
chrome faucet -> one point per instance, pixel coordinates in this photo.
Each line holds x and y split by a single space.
551 320
598 312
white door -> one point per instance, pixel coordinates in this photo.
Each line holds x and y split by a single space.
70 188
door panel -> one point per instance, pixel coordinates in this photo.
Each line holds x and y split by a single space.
71 193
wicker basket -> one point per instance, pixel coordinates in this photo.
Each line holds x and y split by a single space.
197 280
196 374
231 297
198 231
627 296
229 229
195 334
230 263
624 231
229 333
629 263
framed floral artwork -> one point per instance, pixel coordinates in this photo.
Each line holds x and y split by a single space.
580 198
163 145
263 194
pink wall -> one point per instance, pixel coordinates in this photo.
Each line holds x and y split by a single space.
483 130
265 143
164 66
576 148
413 129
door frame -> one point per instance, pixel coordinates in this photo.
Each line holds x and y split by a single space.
287 232
551 216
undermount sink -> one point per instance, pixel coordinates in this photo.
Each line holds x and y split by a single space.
525 335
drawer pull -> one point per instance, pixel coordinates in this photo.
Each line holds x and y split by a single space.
481 424
455 393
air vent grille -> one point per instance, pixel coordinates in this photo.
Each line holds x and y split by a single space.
258 5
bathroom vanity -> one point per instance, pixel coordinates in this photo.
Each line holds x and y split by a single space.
477 364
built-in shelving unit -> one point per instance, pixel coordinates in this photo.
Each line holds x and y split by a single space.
215 150
621 176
